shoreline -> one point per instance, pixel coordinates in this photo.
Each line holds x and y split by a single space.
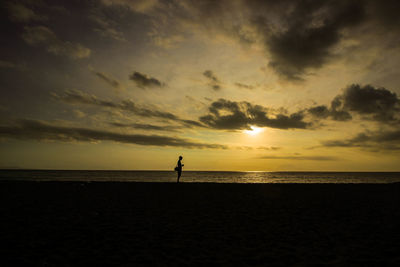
12 180
205 177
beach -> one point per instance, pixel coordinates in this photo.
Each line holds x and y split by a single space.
131 224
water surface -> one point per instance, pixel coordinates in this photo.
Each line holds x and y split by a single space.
202 176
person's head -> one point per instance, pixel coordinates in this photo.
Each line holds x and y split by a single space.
180 157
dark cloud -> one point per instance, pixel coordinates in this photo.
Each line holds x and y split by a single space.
269 148
108 79
11 65
318 158
230 115
299 36
214 82
106 26
144 81
378 104
244 86
209 74
79 97
139 6
43 36
38 130
312 29
371 103
21 13
386 13
340 115
323 112
79 114
150 127
191 123
235 119
320 111
248 148
388 140
308 31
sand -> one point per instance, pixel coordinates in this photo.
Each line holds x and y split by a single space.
131 224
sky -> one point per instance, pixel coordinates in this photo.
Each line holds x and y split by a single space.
235 85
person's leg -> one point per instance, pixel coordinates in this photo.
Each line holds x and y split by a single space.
179 176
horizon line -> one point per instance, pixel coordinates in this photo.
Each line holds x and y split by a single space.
155 170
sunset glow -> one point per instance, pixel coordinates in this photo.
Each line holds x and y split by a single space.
254 130
231 85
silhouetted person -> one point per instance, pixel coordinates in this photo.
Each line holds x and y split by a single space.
179 166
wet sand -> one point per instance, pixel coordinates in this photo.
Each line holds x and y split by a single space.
130 224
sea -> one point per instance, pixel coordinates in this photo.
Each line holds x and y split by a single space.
199 176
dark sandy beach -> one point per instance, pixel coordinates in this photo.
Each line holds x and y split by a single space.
129 224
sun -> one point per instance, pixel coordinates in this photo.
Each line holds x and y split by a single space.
254 130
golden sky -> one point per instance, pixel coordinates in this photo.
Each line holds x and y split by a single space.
229 85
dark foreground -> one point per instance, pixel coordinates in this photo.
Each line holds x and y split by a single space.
127 224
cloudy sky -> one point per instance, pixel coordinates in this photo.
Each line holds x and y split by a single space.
230 85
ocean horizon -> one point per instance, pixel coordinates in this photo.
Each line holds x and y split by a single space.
199 176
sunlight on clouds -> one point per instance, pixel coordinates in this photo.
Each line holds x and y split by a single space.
254 131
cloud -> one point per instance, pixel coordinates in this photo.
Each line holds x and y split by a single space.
369 103
20 13
272 148
323 112
38 130
377 104
231 115
312 29
298 36
79 114
386 13
214 82
143 81
320 111
108 79
269 148
41 35
244 86
387 140
317 158
150 127
107 27
166 42
191 123
11 65
79 97
140 6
